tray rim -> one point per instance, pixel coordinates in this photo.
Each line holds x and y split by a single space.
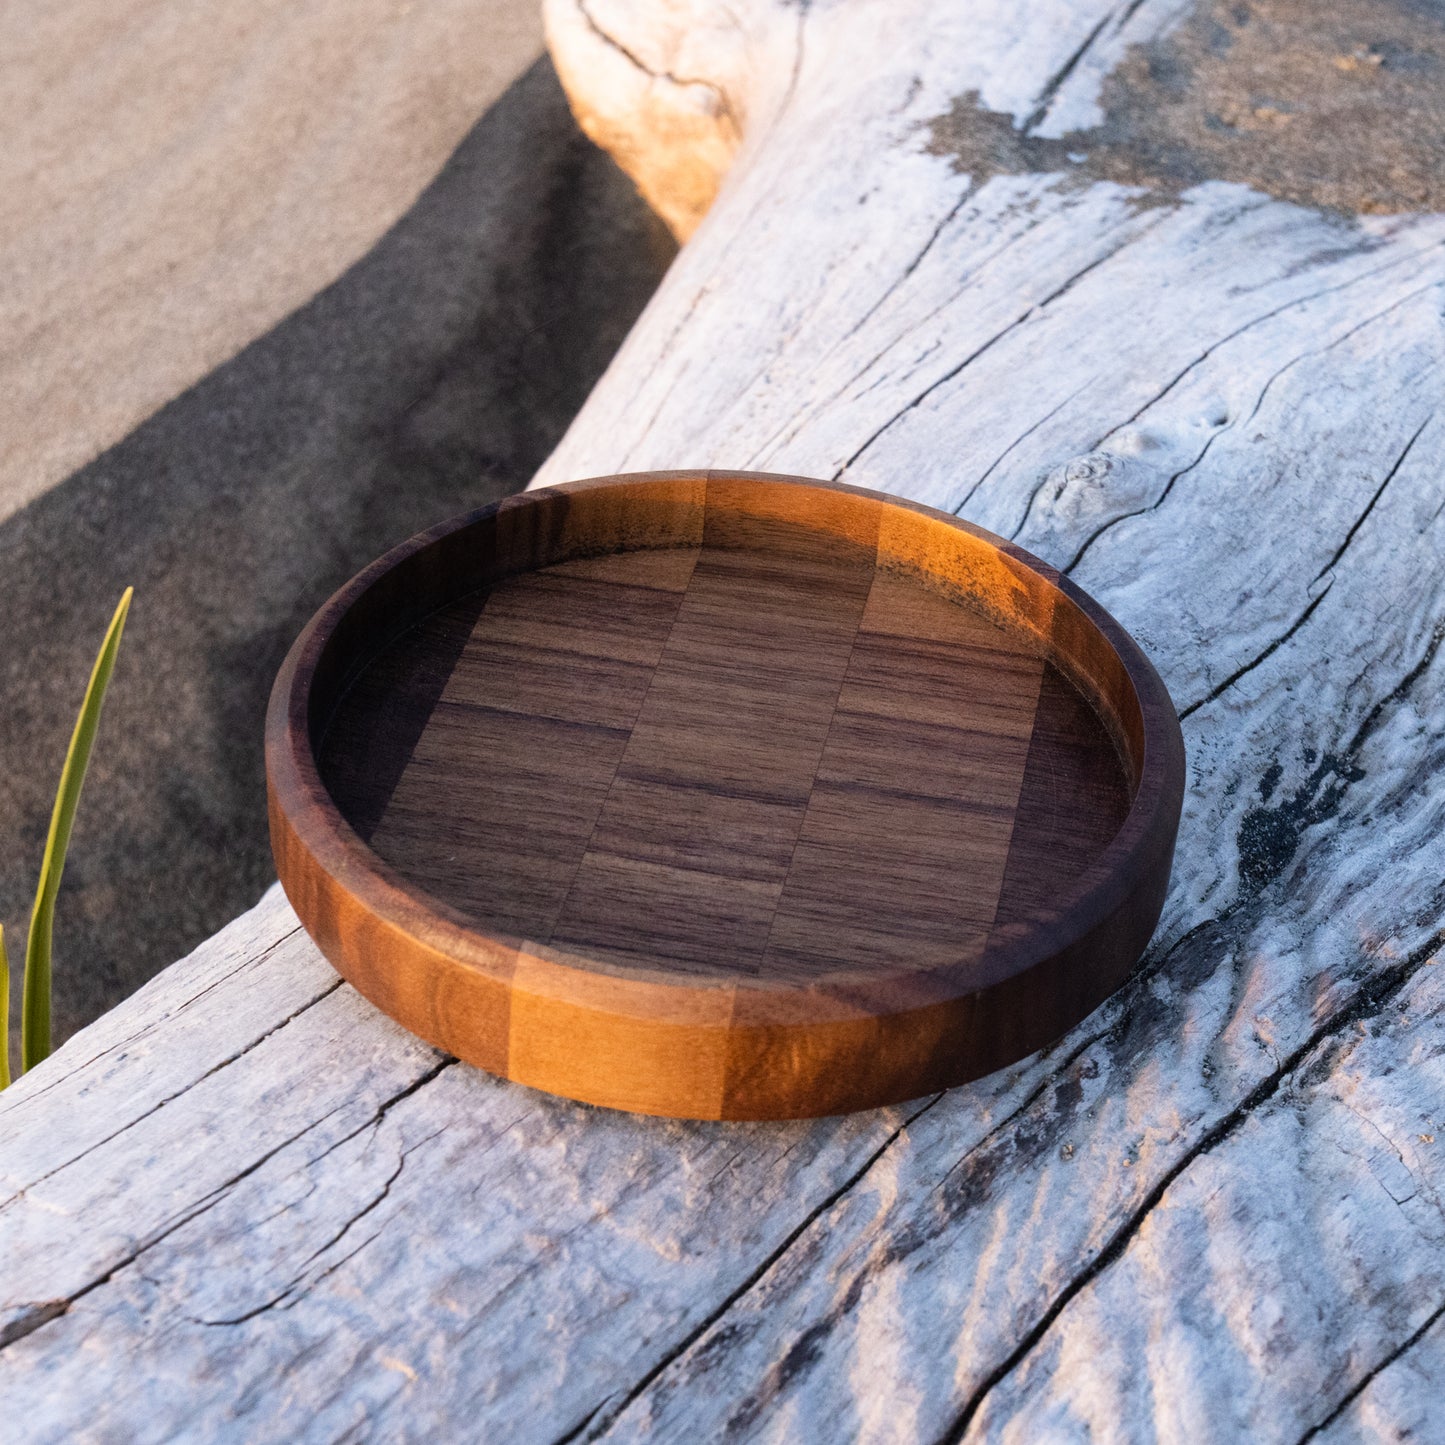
318 854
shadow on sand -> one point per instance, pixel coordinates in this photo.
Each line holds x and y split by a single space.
433 376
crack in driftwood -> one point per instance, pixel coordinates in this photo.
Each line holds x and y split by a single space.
1130 12
789 430
1399 1154
1370 1000
930 389
1401 690
160 1104
1365 1380
1379 492
1259 403
1340 341
799 48
242 966
1262 656
1056 81
757 1274
1142 511
290 1289
1018 441
352 1220
1250 326
1035 309
44 1314
1305 616
969 191
636 61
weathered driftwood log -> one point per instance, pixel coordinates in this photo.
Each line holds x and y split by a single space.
1062 268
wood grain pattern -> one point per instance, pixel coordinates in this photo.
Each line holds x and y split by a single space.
792 808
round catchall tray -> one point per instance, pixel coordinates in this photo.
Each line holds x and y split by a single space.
723 796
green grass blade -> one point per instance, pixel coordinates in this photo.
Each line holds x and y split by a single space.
35 1010
4 1012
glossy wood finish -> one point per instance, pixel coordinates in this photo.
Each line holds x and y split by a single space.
723 796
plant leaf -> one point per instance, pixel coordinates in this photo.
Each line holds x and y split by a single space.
4 1012
35 1010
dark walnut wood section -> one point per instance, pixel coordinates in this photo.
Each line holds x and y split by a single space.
723 796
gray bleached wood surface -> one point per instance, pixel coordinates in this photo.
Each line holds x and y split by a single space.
244 1205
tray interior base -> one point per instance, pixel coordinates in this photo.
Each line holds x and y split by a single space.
728 762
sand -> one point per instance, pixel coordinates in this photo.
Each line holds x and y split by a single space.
282 288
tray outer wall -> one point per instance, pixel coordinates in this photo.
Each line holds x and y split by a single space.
714 1050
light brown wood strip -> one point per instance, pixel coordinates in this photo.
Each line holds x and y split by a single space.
663 1049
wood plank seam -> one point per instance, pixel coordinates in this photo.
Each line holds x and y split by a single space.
612 784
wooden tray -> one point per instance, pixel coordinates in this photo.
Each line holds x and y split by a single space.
723 795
